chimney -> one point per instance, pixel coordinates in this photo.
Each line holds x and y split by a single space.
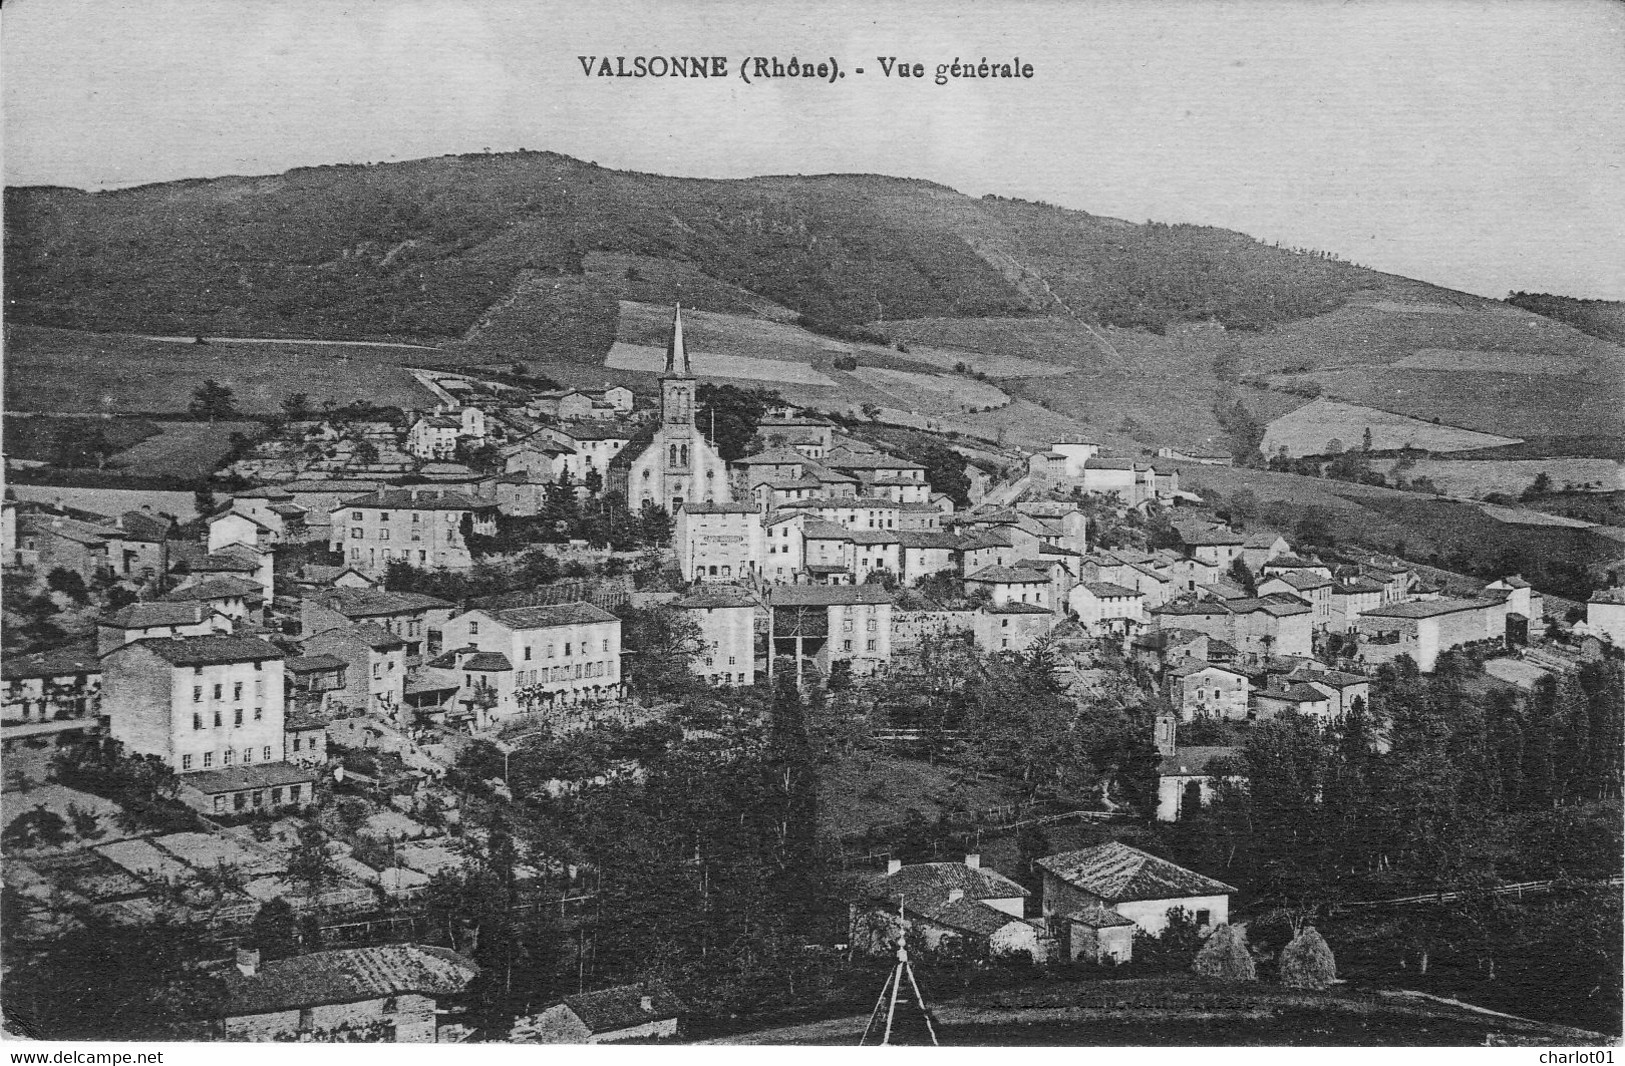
974 861
248 961
647 1004
893 865
955 894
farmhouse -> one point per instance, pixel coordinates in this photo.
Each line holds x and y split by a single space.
1102 607
425 527
1422 629
726 616
819 625
1200 689
1137 885
630 1012
953 906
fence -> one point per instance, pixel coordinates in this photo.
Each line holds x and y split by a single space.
1517 891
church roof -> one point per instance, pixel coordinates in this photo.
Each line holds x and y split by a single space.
676 352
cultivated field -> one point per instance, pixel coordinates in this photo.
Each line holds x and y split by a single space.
1555 364
931 392
651 359
1329 426
53 370
182 449
1480 477
112 502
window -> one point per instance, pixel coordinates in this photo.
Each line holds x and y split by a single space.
355 516
383 516
237 717
731 660
355 534
296 743
606 643
846 645
239 800
871 646
259 797
567 649
217 718
293 793
473 629
208 759
219 691
259 714
248 756
237 690
225 757
186 762
197 693
197 720
377 669
1202 918
414 518
707 660
220 805
874 626
266 754
276 797
527 653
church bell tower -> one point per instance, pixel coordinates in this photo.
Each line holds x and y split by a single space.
677 380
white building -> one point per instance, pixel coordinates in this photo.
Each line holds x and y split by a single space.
1605 615
423 526
558 655
435 436
718 541
726 617
1105 607
1012 584
1135 884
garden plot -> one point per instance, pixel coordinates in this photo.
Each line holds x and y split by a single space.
142 858
430 858
393 825
91 875
207 851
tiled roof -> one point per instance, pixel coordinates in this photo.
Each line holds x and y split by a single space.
1118 873
597 430
347 976
1422 608
773 457
256 775
217 588
874 536
151 615
1356 587
713 596
142 526
1008 575
926 538
1209 537
487 662
1293 693
712 507
819 529
547 617
826 595
310 664
207 650
622 1008
374 603
424 499
68 659
1613 595
1097 917
923 883
1107 590
232 559
1017 608
1306 582
1292 562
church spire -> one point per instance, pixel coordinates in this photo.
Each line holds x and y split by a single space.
676 353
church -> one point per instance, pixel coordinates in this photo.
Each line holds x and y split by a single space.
676 465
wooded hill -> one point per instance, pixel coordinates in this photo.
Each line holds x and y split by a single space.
420 250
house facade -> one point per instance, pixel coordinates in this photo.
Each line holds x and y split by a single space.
1137 885
423 526
558 655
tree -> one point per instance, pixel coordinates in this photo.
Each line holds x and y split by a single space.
660 647
69 584
654 525
296 407
728 415
38 828
309 864
203 501
213 401
275 930
1242 575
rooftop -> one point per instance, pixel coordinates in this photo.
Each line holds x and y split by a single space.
1118 873
256 775
372 603
713 596
349 975
826 595
1423 608
487 662
548 617
1107 590
1192 761
419 499
76 658
217 588
611 1009
712 507
1009 575
206 650
152 615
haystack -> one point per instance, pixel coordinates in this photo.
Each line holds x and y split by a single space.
1225 956
1307 962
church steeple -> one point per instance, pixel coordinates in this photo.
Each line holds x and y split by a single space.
676 352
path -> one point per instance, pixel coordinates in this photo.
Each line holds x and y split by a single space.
281 340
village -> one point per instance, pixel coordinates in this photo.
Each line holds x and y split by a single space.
400 656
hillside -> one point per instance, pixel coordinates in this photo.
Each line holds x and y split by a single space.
1124 331
421 250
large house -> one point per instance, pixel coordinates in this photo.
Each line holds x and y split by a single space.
212 708
52 695
1200 689
435 435
414 617
1137 885
553 655
726 617
374 667
820 625
1605 615
1104 607
424 526
718 541
1423 629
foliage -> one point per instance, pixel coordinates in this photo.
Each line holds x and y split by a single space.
37 828
69 584
660 647
212 401
105 980
728 415
275 930
309 865
1174 948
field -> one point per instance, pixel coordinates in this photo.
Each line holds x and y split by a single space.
112 502
865 790
57 371
770 372
1547 363
930 392
1331 426
182 449
1480 477
38 438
